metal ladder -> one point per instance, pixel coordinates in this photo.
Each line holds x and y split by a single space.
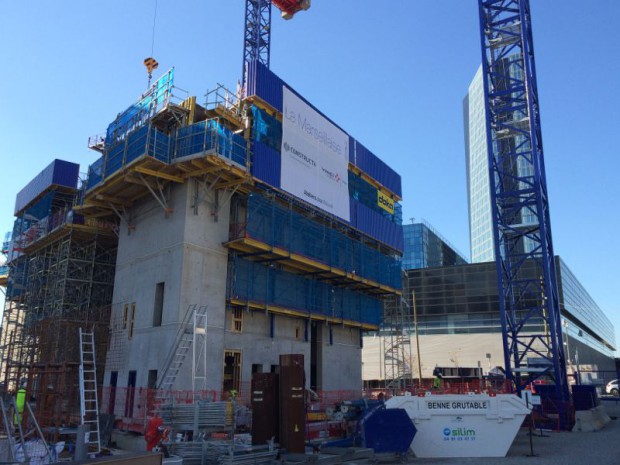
89 404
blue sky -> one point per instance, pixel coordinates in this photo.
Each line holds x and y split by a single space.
393 74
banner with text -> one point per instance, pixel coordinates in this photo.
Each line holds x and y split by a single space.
315 157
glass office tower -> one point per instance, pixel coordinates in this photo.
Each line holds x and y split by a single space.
477 165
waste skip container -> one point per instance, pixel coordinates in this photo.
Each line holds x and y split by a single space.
477 425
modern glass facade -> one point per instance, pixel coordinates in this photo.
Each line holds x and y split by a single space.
477 166
424 247
464 300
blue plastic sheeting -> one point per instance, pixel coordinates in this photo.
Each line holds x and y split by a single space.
267 129
58 172
276 225
266 164
256 282
95 173
369 163
210 136
147 141
139 113
143 141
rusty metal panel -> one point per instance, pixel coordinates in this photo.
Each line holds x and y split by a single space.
264 408
292 403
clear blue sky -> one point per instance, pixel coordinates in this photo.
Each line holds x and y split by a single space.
391 73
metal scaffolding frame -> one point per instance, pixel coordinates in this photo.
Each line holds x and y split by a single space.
66 283
397 359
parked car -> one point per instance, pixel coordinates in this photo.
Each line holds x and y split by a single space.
612 388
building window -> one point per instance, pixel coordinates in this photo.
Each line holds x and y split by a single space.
132 320
152 381
232 372
158 309
237 319
125 316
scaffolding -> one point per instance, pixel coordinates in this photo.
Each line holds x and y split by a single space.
397 358
302 240
61 275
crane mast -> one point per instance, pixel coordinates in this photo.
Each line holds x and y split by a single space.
257 29
256 34
526 268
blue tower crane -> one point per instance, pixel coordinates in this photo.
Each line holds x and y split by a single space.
528 290
257 30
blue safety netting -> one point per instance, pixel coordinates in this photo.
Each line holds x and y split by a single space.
199 138
208 136
268 285
281 227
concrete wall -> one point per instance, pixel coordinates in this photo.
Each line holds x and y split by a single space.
184 250
466 350
341 367
446 350
150 251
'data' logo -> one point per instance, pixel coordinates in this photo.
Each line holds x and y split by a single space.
446 431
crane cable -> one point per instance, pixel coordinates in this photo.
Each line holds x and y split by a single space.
153 33
150 62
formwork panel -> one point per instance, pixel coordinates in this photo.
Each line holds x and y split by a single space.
59 172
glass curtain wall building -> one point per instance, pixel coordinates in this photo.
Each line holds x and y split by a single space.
477 166
425 247
464 300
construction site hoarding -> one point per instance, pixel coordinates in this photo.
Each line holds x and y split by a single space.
266 85
59 173
314 157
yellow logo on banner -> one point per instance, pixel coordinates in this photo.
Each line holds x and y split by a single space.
385 202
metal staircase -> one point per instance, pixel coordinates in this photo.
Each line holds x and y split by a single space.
190 341
89 404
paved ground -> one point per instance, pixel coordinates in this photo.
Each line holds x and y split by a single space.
553 448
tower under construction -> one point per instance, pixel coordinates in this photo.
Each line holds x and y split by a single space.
247 227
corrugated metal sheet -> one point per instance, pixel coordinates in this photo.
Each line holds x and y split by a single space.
266 164
375 225
265 84
368 162
59 172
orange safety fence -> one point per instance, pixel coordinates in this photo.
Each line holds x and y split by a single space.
132 407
